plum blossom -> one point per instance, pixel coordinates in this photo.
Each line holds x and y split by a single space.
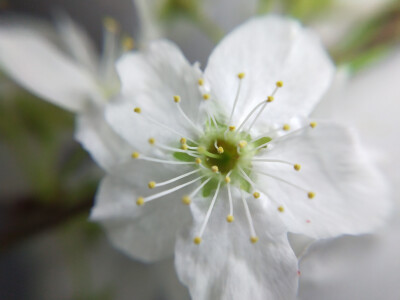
63 68
225 162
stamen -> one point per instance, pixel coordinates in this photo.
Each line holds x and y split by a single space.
313 124
228 185
174 179
136 155
230 216
312 194
281 209
250 114
263 104
297 167
203 151
256 195
206 96
110 24
220 150
286 127
197 240
212 118
200 81
242 144
183 149
247 178
138 110
128 43
253 235
177 100
240 76
188 199
166 192
214 169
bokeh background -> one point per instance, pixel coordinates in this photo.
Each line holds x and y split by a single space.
48 248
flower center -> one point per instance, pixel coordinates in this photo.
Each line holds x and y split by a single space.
222 156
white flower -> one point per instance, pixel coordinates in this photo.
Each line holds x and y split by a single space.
74 78
233 144
364 267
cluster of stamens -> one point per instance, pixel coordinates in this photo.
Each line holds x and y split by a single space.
222 156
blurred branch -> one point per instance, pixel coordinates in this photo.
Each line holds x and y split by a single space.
25 217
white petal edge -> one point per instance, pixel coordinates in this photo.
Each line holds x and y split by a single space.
269 49
226 265
98 138
351 196
36 64
148 232
150 80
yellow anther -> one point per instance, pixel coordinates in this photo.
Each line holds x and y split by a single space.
313 124
183 141
110 24
200 81
286 127
227 179
135 155
198 161
256 195
186 200
281 209
214 169
128 43
177 99
311 195
137 110
140 201
184 147
206 96
279 83
197 240
152 141
297 167
230 219
241 75
220 150
232 128
254 239
242 144
151 185
270 98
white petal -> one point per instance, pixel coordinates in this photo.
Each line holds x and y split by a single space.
351 196
365 267
369 102
39 66
226 265
148 232
150 80
267 50
78 43
98 138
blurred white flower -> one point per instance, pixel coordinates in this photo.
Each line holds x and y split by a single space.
365 267
63 68
193 25
234 144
